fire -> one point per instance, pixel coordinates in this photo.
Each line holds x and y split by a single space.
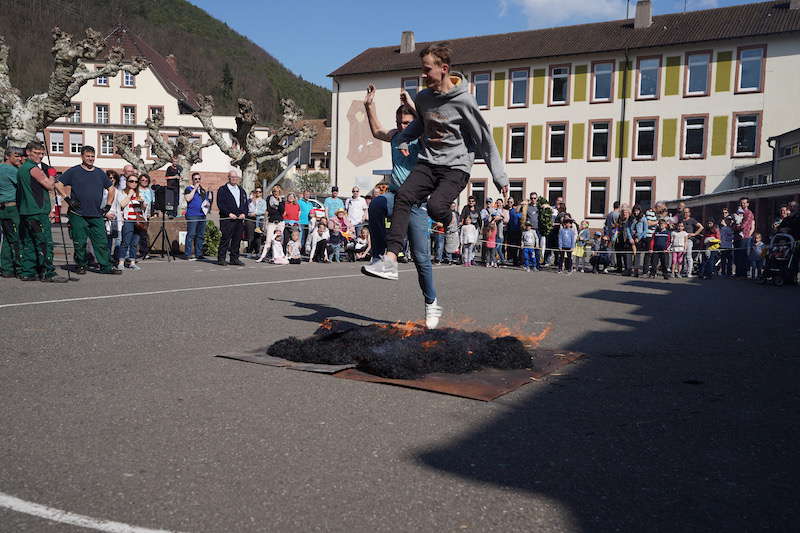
429 344
500 330
327 324
403 329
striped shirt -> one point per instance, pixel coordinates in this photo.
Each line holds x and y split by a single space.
652 222
133 211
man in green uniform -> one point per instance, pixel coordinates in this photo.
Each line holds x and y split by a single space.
86 214
33 202
9 215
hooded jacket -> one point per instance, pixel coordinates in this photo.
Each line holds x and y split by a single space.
452 131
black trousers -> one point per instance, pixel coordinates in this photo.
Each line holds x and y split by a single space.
443 184
231 237
252 238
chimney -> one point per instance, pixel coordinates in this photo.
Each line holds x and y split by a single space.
407 43
172 62
644 14
794 4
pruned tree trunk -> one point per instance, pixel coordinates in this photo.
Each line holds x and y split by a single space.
248 151
182 151
20 119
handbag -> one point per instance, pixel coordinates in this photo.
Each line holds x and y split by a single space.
142 226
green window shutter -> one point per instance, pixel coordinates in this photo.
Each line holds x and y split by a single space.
719 135
538 85
497 133
672 85
578 130
499 89
622 138
580 83
668 135
536 142
723 81
624 77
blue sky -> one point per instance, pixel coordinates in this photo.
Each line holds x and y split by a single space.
314 37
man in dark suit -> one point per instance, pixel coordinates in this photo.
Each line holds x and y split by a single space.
232 204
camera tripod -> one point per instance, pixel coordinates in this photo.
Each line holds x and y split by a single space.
166 242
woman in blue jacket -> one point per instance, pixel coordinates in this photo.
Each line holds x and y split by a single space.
635 232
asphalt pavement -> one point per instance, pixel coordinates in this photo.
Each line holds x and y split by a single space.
682 417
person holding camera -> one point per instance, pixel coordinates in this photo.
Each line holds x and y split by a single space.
86 214
198 203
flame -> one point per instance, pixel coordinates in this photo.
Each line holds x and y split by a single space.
327 324
429 344
530 340
403 329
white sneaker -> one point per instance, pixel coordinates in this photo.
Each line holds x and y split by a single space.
433 312
384 268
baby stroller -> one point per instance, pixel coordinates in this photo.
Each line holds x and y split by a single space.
781 261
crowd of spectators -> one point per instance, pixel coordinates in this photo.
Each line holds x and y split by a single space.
531 234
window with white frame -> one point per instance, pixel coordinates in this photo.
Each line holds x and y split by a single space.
558 142
746 143
691 187
101 113
156 112
643 193
519 88
649 69
559 80
129 114
694 137
697 69
75 116
600 138
602 73
411 86
75 142
750 68
480 84
128 79
598 197
516 143
57 141
555 189
106 144
516 189
645 139
101 80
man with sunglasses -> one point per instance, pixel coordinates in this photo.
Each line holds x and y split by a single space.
9 214
198 201
33 202
86 214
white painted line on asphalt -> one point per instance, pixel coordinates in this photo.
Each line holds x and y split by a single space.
57 515
187 289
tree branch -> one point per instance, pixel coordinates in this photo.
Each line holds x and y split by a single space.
204 115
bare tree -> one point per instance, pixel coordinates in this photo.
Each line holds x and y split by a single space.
21 119
183 150
248 151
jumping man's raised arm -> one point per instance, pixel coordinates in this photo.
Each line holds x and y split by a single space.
374 124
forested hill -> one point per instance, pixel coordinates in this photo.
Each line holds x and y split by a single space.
211 56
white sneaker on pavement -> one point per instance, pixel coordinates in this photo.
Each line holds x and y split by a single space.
433 312
384 268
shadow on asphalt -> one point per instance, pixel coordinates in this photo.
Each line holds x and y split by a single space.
322 312
682 418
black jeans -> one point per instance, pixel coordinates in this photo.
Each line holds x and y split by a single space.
443 184
253 239
231 237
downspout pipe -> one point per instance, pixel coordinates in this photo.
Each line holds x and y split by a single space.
620 149
336 140
773 145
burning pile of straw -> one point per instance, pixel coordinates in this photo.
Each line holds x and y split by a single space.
408 350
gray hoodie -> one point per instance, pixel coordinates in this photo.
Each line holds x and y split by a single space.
452 131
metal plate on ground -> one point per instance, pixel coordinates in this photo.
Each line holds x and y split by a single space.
485 385
285 363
